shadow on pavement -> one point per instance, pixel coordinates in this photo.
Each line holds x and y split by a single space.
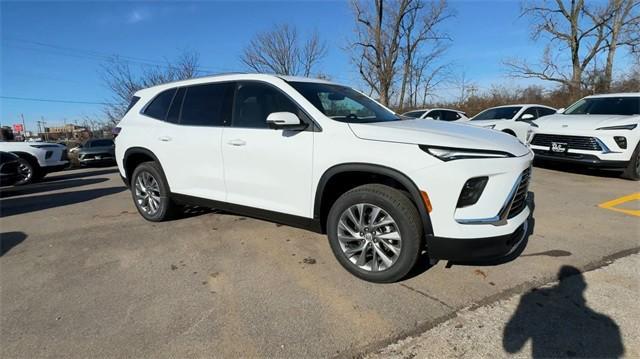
560 324
9 240
64 175
572 168
47 186
14 206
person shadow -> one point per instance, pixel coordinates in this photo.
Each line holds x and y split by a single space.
560 324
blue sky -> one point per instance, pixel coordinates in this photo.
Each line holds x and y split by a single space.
54 50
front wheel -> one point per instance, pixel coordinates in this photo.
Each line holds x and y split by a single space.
375 233
28 172
632 171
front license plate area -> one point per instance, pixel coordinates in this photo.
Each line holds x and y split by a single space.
559 147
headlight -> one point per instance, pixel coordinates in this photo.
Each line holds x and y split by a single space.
621 127
450 154
490 126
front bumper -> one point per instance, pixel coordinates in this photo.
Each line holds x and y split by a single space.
478 249
580 159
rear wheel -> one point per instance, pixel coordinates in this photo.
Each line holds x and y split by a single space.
633 168
375 233
151 193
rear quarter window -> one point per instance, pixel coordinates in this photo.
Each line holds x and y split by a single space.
159 106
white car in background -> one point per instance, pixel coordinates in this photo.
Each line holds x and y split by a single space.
441 114
37 159
515 120
597 131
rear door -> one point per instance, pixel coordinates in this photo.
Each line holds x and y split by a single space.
267 168
191 147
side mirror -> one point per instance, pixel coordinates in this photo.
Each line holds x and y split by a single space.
560 110
527 117
430 118
285 120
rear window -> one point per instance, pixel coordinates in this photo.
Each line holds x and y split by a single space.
133 102
159 107
207 105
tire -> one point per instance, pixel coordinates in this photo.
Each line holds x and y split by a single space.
347 243
632 171
28 171
149 187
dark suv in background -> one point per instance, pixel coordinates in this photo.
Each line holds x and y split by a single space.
97 152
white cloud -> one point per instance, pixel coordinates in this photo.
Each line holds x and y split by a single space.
137 16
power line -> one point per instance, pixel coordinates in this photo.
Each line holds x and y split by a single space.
53 100
94 55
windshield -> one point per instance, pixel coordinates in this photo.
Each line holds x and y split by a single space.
500 113
605 106
343 104
414 114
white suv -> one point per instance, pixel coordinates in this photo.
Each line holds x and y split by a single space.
322 156
36 159
597 131
515 120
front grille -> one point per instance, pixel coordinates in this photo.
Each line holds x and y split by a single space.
574 142
520 199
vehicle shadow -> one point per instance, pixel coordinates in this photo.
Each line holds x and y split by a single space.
64 175
47 186
559 323
572 168
13 206
8 240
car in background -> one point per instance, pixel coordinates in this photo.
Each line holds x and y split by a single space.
597 131
97 152
441 114
515 120
36 159
9 164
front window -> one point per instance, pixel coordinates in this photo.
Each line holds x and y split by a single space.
605 106
343 103
499 113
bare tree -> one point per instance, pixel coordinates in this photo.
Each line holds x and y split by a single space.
123 81
623 30
420 28
390 40
279 51
574 27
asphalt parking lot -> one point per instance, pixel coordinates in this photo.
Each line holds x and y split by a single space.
83 275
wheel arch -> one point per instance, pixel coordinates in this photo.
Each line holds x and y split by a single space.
27 156
133 157
365 173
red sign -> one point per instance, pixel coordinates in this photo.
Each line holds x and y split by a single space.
17 127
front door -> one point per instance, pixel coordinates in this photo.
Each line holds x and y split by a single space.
263 167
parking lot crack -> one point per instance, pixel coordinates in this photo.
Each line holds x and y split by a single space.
426 295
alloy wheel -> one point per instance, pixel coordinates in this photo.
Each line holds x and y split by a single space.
369 237
25 172
147 193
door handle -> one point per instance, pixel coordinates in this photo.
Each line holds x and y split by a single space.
164 138
237 142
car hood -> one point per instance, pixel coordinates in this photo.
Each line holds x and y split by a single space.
439 133
93 150
584 122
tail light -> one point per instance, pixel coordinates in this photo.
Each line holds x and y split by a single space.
116 131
